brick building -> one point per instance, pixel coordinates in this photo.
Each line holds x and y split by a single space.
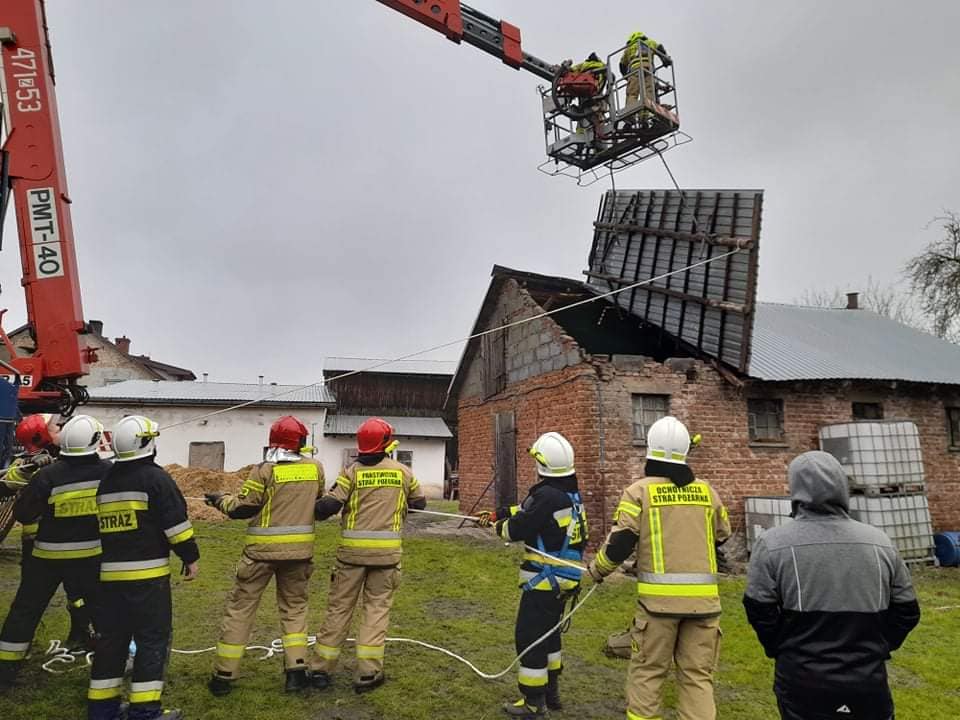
601 376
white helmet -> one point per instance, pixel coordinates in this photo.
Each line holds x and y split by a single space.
80 435
668 441
134 437
554 455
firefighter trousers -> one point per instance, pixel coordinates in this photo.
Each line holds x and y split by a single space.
693 644
348 583
39 580
539 611
642 72
141 611
253 576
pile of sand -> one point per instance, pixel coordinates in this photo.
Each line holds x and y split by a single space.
194 482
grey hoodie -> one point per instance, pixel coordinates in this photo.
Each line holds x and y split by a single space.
828 597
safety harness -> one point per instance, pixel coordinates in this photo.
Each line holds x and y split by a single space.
556 574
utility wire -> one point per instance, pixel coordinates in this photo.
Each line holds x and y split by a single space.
451 343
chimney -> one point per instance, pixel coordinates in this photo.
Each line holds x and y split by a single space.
205 376
96 327
853 301
261 379
123 344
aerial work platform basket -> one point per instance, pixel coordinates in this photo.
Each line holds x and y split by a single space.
593 128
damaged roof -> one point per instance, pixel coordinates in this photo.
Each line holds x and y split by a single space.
413 427
169 392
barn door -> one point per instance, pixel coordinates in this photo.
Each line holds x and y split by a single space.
505 458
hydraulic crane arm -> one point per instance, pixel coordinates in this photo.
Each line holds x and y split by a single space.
33 157
461 23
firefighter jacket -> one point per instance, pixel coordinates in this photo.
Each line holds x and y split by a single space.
638 45
552 520
18 474
279 500
374 494
64 498
142 516
675 529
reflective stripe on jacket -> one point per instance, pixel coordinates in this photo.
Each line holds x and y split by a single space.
283 496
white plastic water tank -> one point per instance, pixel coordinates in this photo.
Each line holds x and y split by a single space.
876 454
764 512
904 518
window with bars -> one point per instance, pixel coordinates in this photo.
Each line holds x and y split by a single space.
765 418
647 409
405 457
953 422
867 411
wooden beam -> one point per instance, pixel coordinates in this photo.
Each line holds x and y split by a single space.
709 302
742 243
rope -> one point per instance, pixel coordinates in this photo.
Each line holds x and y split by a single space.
451 343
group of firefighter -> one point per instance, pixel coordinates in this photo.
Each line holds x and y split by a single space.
104 530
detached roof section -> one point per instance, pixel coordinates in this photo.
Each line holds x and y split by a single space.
210 393
804 343
412 427
396 367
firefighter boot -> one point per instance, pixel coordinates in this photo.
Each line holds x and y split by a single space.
320 680
553 693
528 707
219 686
8 674
297 681
366 683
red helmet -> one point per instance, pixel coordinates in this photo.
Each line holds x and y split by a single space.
373 436
288 433
33 432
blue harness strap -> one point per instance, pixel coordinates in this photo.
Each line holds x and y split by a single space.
552 572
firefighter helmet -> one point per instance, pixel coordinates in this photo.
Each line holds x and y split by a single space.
81 435
288 433
134 437
554 455
34 432
668 441
373 436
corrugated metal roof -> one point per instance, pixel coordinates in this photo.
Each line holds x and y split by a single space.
803 343
397 367
210 393
428 427
642 234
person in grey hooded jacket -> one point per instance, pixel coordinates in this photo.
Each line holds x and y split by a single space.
829 599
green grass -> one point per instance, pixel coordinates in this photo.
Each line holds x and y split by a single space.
461 594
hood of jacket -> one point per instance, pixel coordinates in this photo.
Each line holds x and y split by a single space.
818 484
679 475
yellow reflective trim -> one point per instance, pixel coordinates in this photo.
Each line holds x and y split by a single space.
605 563
711 543
78 603
145 696
378 478
298 472
708 590
267 508
368 543
398 513
634 716
181 537
30 528
122 505
12 655
370 652
112 575
104 693
66 554
72 495
279 539
112 521
354 508
231 652
554 664
252 485
514 509
327 652
75 507
656 540
629 508
696 493
295 640
343 482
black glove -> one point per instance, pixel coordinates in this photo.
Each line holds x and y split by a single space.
213 499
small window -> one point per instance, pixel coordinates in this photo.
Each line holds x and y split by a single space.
493 350
206 455
405 457
867 411
112 381
953 420
765 418
647 409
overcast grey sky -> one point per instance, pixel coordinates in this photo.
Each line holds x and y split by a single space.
257 185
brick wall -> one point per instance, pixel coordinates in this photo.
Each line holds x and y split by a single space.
567 400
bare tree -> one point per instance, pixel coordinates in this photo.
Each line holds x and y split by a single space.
884 300
935 278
